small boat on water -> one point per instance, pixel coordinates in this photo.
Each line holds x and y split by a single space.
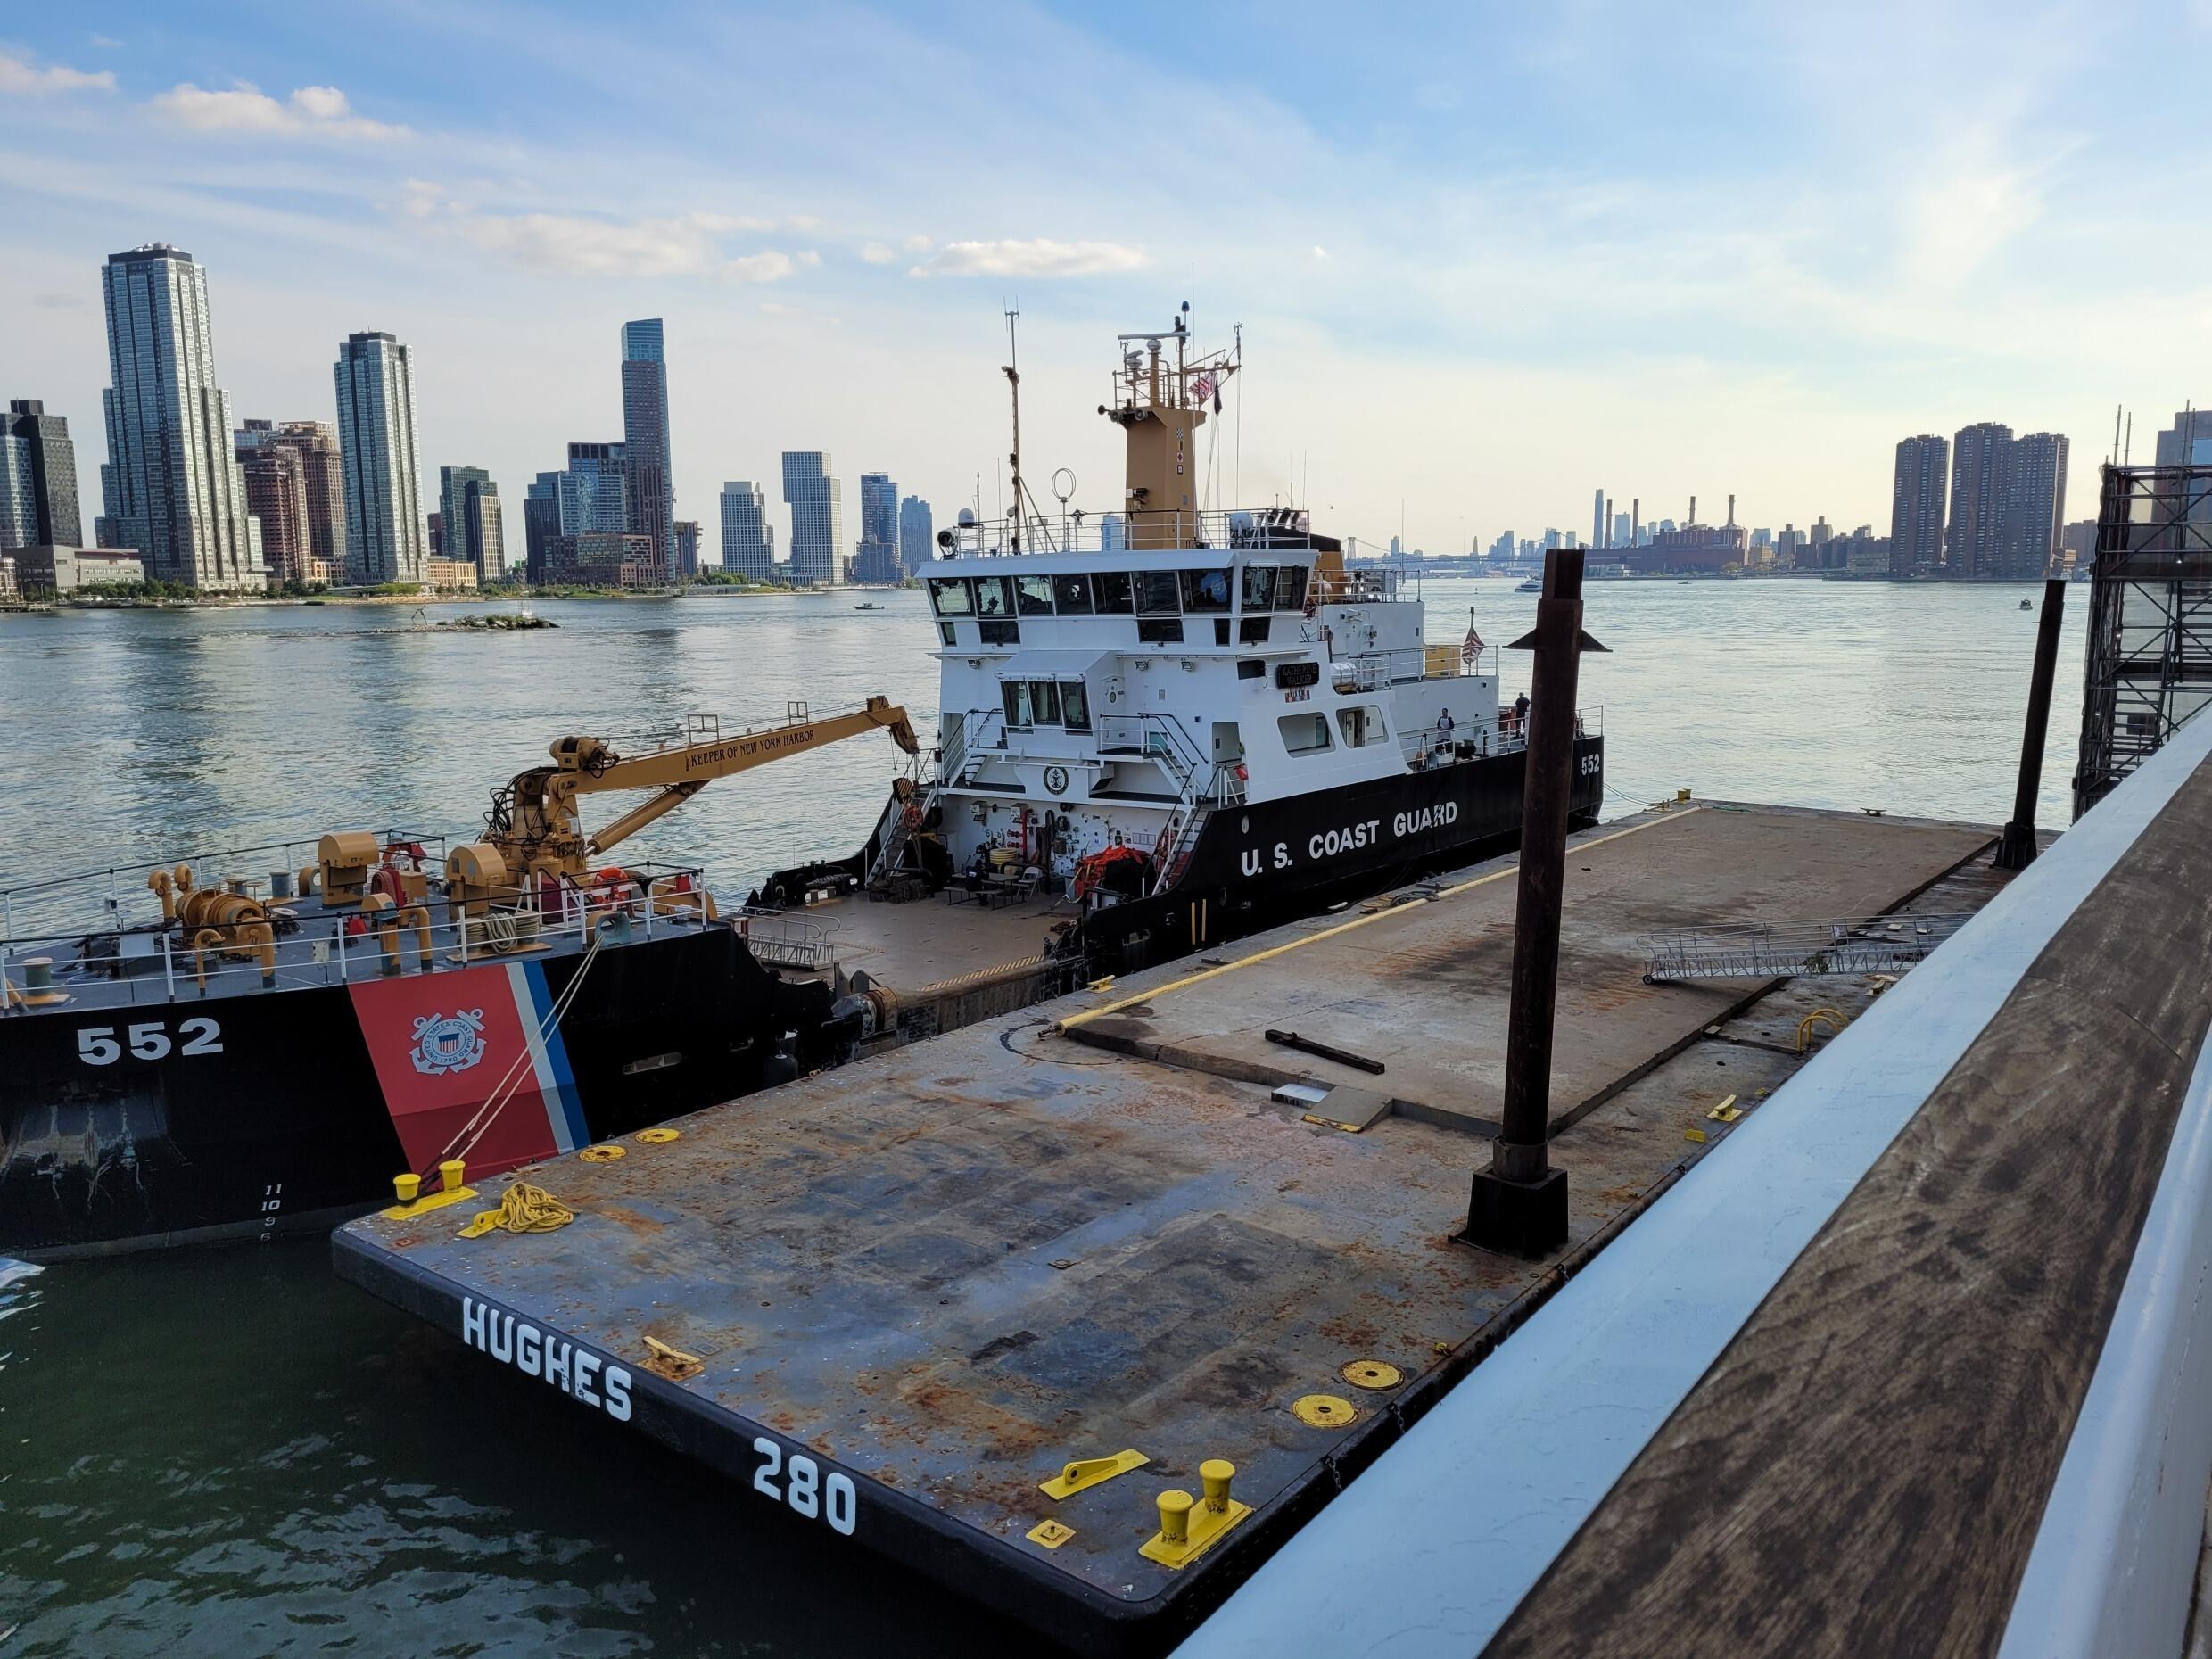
2027 605
1532 585
870 605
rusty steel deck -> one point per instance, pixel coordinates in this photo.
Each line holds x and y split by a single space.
917 1287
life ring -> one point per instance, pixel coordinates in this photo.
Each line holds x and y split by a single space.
913 815
413 849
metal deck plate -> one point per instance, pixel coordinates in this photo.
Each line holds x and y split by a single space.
922 1285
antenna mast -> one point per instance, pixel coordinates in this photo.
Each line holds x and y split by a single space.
1013 381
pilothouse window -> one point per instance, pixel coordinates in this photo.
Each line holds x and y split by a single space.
1157 593
1258 587
1113 590
952 595
1073 594
1044 701
1290 587
1014 702
994 596
1205 589
1034 594
1074 705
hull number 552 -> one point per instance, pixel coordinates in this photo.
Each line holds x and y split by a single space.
98 1045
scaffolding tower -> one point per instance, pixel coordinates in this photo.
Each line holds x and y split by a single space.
2149 666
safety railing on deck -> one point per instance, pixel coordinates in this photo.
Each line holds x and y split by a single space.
782 940
154 963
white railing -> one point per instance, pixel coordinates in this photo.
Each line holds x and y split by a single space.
323 949
782 940
1075 530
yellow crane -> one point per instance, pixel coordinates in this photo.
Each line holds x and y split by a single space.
533 825
533 830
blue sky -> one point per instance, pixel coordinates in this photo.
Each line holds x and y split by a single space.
1486 258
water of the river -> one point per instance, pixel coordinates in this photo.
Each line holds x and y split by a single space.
225 1452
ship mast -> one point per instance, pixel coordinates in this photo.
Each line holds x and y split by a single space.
1013 384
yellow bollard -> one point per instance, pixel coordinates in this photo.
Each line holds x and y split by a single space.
407 1187
1214 1473
452 1169
1175 1516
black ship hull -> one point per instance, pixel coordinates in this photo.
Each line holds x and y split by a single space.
1260 864
247 1116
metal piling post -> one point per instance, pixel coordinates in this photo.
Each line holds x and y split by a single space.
2017 849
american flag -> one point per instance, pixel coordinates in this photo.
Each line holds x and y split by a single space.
1471 648
1203 387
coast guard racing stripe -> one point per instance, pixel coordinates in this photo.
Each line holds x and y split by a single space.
443 1043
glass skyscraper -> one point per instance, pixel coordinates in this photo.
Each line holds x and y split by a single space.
877 559
468 515
171 484
594 491
817 518
649 501
916 533
385 541
749 541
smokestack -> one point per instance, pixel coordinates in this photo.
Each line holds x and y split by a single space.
1731 523
1692 511
1607 540
1636 519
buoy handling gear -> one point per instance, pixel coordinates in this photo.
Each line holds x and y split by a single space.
532 826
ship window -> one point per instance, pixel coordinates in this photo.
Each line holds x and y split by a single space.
1258 587
1290 587
1205 589
1251 668
1074 705
1113 590
1044 701
1157 593
947 634
1221 630
1000 631
994 596
1013 696
1252 630
1362 726
1034 595
1305 734
1159 630
1073 593
952 595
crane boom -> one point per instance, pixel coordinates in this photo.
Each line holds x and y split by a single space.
535 826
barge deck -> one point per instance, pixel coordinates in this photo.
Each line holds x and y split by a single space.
906 1294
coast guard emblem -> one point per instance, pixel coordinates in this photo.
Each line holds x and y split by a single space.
447 1042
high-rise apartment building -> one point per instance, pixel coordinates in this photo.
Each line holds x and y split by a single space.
917 533
1597 519
594 491
877 558
541 525
276 478
1916 504
749 541
1113 533
19 496
2188 441
1980 462
2035 506
687 549
469 517
386 539
817 518
56 519
651 498
170 486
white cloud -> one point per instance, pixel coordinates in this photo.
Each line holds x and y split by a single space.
688 245
1037 257
18 76
322 111
875 254
916 245
1320 252
105 43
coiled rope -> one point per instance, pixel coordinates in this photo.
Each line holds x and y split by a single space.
523 1208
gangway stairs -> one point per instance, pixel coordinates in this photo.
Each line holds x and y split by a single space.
1792 950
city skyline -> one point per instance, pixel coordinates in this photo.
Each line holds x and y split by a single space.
1749 253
